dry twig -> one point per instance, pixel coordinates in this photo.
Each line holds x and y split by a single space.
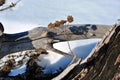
10 6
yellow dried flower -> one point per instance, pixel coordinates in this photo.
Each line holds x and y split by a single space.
51 25
41 51
62 22
70 19
57 23
6 68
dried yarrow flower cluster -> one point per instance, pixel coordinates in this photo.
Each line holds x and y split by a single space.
16 60
61 22
70 19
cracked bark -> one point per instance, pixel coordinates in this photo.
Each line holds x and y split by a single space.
104 64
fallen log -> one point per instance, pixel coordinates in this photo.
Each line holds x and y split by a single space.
43 37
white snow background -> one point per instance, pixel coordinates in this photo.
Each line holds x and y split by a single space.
29 14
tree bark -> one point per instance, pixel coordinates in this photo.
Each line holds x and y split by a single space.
104 64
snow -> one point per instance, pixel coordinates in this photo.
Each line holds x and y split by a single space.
29 14
54 62
20 70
